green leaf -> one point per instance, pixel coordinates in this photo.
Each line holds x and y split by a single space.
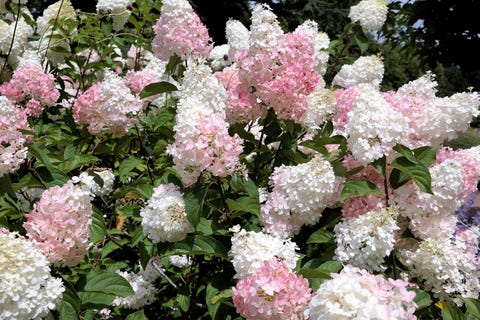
362 43
96 298
107 282
139 315
473 306
406 152
69 306
405 170
422 298
157 88
198 245
331 266
98 229
194 200
38 153
315 273
358 187
183 301
128 165
452 312
426 155
77 161
320 236
244 205
6 186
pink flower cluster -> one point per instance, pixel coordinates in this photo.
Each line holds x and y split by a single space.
273 292
278 74
107 107
12 142
60 223
30 84
179 30
207 146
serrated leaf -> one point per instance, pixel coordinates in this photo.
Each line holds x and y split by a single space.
96 298
320 236
98 229
38 153
331 266
358 187
198 245
157 88
77 161
473 306
410 171
128 165
194 200
244 205
107 282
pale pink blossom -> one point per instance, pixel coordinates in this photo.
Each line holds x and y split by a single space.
32 85
60 223
273 292
180 31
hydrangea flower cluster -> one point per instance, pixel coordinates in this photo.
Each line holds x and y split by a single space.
88 180
374 127
299 196
280 68
272 292
250 249
50 35
27 289
431 119
107 107
144 290
180 31
321 106
238 37
365 70
356 294
117 10
445 268
371 14
60 223
164 218
17 29
365 241
202 142
431 215
13 151
30 84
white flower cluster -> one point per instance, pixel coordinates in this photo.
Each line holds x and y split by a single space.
21 31
365 241
371 14
321 105
322 42
299 196
374 127
237 36
250 249
27 289
180 261
144 290
49 34
436 208
164 218
265 30
117 9
355 294
445 269
88 180
364 70
219 57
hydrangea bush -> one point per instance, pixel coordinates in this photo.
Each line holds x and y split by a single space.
148 173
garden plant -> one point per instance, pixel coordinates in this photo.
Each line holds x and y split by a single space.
148 173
